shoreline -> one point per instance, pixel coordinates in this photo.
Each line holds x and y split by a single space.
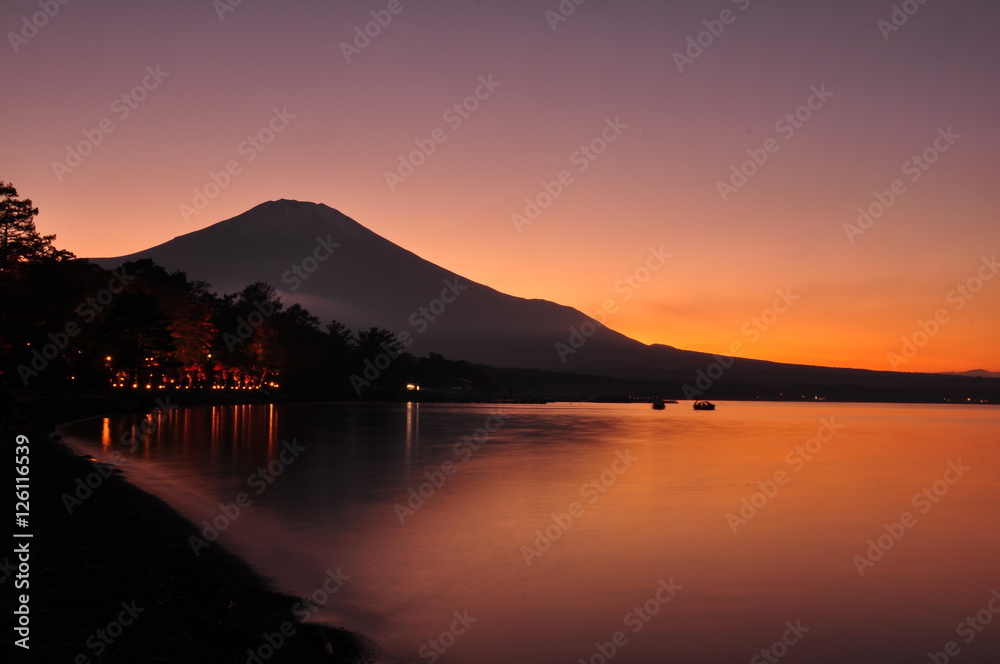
122 554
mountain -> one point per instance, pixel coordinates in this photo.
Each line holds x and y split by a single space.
338 269
368 281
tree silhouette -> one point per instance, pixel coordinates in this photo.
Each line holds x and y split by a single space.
19 240
140 336
376 340
341 338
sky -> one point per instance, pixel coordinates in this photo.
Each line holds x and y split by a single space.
550 149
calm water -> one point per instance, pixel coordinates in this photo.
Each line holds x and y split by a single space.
644 501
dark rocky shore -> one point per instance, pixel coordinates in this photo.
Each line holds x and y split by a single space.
116 580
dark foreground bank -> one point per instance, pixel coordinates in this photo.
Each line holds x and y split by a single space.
116 581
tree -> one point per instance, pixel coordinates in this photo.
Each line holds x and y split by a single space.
247 351
19 240
260 295
374 340
298 316
382 356
140 337
190 310
186 308
341 338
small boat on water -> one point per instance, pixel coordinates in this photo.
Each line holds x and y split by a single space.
658 404
704 405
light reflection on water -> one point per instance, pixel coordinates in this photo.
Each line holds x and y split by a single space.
662 517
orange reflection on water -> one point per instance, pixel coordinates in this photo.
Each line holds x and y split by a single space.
272 427
824 479
412 430
758 510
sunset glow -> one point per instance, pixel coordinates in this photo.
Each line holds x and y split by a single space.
824 185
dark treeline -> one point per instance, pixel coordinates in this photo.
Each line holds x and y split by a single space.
140 327
66 321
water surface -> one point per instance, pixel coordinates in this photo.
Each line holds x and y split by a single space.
612 505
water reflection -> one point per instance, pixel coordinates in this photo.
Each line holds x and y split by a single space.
412 430
662 516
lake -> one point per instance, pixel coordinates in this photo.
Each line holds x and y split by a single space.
806 532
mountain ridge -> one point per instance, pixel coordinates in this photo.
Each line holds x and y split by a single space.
367 280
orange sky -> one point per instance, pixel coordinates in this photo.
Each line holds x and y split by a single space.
655 184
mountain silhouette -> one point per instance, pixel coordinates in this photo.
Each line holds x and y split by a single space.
338 269
369 281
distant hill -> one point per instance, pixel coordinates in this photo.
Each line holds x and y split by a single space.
338 269
975 373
